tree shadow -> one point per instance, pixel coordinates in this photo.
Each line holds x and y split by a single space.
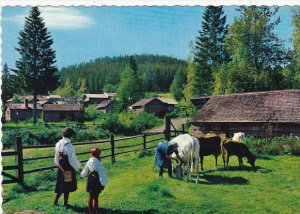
78 209
217 179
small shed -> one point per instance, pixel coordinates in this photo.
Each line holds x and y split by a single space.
53 98
261 114
170 103
21 111
57 113
106 106
198 102
150 105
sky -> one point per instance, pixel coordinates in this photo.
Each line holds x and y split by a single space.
82 34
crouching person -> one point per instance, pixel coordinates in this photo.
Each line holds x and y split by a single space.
163 156
96 181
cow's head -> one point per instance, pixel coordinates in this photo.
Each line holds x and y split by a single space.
251 160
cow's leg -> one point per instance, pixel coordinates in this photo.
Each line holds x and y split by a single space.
201 162
216 163
227 161
197 169
223 157
240 161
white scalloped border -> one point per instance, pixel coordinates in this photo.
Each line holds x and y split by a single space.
147 2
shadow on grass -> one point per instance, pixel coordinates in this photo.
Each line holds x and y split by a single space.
217 179
16 190
78 209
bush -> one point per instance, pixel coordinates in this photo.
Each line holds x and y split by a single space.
91 113
144 121
275 146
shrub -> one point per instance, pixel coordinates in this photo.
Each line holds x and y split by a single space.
91 113
144 121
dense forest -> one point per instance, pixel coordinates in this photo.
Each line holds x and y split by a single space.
103 74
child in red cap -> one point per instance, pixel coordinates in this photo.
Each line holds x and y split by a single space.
97 179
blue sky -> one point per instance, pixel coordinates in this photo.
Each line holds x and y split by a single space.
82 34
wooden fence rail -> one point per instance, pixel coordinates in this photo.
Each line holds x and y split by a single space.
113 143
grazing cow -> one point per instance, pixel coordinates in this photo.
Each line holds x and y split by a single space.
209 146
188 150
239 137
241 150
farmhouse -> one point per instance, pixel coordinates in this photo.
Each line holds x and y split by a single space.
106 106
89 99
271 113
21 111
150 105
56 112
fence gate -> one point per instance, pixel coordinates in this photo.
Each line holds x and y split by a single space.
18 167
168 129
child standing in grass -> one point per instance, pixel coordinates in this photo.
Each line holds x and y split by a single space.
66 162
96 181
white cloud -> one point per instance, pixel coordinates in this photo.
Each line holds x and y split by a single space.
60 18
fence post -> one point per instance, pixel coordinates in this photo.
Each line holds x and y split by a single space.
144 141
19 160
183 131
167 128
112 143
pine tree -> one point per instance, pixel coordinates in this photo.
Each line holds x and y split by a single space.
36 65
133 65
210 47
7 92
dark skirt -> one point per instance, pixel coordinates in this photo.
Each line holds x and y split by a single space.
66 181
93 185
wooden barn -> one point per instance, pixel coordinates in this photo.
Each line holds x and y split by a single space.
261 114
21 111
150 105
57 113
106 106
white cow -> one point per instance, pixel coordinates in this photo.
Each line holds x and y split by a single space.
188 150
239 137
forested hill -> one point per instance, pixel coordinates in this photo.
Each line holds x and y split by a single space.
157 72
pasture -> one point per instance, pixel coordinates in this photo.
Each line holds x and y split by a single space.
134 187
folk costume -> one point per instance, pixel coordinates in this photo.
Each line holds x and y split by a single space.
97 178
162 151
66 161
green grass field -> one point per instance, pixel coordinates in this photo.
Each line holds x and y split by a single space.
134 187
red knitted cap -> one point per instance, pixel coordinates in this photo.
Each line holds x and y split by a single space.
95 151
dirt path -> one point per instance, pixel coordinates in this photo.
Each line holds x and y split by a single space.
176 122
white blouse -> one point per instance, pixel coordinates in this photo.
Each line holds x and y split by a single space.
65 146
94 164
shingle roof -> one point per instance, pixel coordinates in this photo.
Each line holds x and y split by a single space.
110 94
94 96
63 107
53 96
104 103
271 106
168 101
21 106
143 102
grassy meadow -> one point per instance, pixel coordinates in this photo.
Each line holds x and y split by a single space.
134 187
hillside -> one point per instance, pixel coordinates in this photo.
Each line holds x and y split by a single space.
157 72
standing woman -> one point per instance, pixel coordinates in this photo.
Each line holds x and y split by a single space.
66 162
163 156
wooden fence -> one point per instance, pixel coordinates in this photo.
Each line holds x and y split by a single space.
115 147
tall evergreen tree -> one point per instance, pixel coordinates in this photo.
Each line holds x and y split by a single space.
36 65
210 47
7 92
133 65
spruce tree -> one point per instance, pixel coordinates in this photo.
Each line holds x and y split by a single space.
178 84
7 93
35 68
210 47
